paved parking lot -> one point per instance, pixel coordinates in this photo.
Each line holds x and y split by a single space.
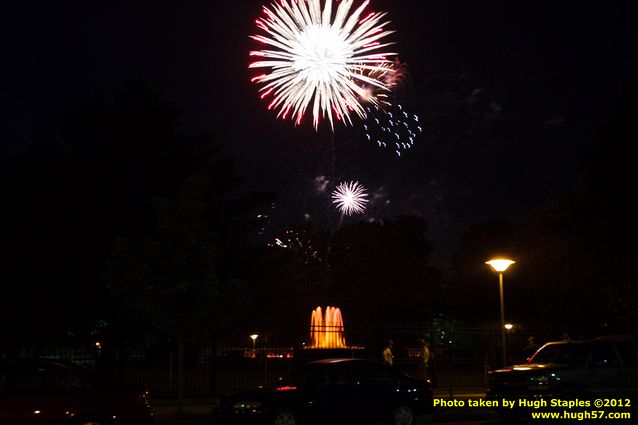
198 412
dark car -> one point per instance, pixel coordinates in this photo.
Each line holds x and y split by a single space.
603 367
43 392
332 391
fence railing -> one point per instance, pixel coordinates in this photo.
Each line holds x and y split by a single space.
461 360
229 375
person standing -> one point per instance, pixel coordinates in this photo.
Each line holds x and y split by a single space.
425 359
530 348
387 353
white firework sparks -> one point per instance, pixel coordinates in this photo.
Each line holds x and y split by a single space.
388 123
315 55
391 128
351 198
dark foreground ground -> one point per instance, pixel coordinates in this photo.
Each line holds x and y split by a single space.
198 412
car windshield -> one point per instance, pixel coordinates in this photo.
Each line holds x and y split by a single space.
628 352
303 377
570 353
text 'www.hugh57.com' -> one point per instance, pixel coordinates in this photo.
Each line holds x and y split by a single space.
552 408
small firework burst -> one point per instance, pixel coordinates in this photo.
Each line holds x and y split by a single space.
388 122
373 94
350 198
392 128
299 241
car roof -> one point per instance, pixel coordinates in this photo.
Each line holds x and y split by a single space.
598 338
39 361
615 338
341 360
566 342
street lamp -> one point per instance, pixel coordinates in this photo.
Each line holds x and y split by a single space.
500 265
254 338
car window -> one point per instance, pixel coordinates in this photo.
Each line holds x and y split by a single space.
372 373
628 353
28 376
314 376
62 377
546 354
33 375
310 376
338 375
572 354
603 354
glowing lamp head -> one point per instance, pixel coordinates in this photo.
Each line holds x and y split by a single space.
500 264
254 337
509 326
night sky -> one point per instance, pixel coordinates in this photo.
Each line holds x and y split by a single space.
509 94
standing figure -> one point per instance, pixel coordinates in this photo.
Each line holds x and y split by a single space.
530 348
425 359
387 353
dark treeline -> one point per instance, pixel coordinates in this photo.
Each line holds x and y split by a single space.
136 229
131 220
576 255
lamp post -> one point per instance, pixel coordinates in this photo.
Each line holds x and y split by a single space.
500 265
254 338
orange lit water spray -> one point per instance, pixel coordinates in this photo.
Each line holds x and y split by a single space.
326 330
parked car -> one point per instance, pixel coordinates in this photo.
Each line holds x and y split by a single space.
44 392
602 367
331 391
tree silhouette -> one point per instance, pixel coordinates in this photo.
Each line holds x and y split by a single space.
125 161
377 273
576 255
583 245
170 279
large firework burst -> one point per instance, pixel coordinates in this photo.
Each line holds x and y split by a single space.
315 55
351 198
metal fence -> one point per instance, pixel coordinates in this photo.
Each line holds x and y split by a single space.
462 356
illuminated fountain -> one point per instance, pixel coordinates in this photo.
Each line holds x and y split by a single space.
326 330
